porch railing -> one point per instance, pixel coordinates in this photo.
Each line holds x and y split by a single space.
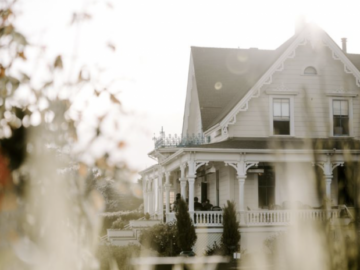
208 218
261 217
284 217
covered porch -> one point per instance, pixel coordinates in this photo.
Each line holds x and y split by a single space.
227 174
264 217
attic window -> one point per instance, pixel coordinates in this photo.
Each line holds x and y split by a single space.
310 71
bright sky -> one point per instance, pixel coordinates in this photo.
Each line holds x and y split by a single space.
153 40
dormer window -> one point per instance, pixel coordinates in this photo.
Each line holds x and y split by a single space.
310 71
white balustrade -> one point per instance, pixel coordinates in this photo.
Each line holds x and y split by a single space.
283 217
261 217
208 218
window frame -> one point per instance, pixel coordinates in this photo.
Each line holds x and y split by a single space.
291 111
331 115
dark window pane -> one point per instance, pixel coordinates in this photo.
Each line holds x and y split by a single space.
266 183
281 127
341 125
346 188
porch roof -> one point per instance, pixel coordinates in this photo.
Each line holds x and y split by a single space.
285 143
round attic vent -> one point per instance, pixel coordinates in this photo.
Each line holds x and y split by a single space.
218 86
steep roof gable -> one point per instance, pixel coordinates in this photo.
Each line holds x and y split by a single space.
312 34
224 76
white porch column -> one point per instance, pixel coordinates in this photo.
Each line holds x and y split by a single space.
183 181
148 200
327 168
167 189
160 195
241 168
151 198
193 166
241 180
145 194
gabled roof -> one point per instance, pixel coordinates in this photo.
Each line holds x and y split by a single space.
237 70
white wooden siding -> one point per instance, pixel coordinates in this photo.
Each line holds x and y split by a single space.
311 104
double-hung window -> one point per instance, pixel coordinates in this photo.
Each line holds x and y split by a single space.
340 109
281 116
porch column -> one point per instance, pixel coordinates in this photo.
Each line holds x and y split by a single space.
151 197
241 180
148 202
145 194
327 167
182 180
167 189
160 195
241 168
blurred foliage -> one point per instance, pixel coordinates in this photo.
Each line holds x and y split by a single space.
121 256
215 249
118 220
161 238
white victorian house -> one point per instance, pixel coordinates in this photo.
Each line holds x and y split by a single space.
275 131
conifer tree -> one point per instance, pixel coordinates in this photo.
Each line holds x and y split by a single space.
231 237
186 235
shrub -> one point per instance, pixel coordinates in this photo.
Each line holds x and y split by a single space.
107 255
119 224
147 216
215 249
186 235
131 216
231 237
161 238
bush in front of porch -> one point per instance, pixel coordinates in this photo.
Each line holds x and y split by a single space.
161 238
186 235
231 236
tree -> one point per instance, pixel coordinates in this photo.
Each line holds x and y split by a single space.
186 235
231 237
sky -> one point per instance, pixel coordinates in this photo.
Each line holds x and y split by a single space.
153 41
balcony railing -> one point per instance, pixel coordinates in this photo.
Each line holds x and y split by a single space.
178 141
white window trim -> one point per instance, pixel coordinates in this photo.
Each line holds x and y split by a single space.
349 100
271 114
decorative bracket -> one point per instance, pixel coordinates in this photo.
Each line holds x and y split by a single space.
199 164
268 80
328 166
194 165
281 67
241 166
292 54
347 70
